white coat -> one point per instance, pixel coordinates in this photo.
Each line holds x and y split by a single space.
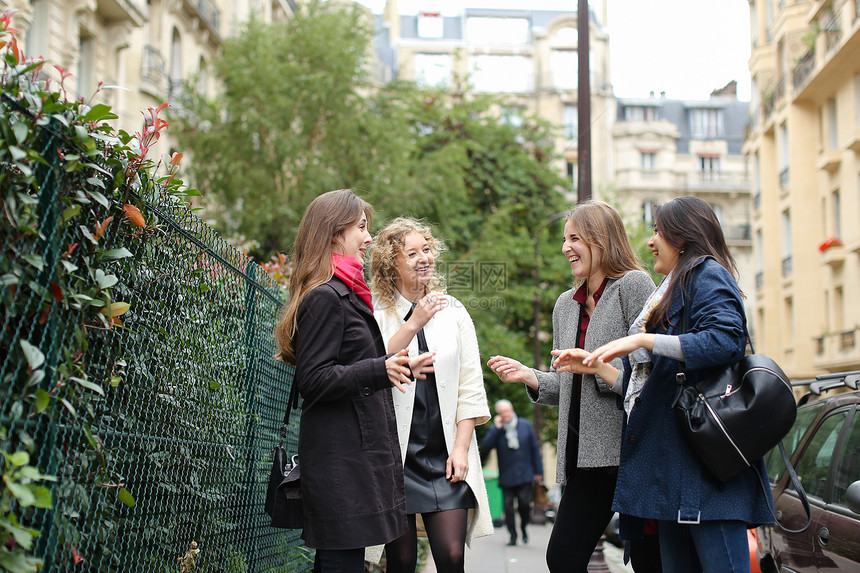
460 385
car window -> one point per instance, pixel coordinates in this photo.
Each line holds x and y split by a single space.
805 416
849 462
814 463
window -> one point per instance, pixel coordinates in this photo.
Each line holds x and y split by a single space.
573 176
837 216
848 470
788 331
814 463
649 161
706 123
495 73
805 416
832 128
782 151
203 77
758 246
175 77
640 113
648 209
709 167
37 36
718 212
564 67
786 243
757 181
86 66
754 22
433 70
857 95
512 116
430 25
571 122
487 30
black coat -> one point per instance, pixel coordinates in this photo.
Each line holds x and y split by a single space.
352 476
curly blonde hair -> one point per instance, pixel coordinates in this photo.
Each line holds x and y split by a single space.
387 244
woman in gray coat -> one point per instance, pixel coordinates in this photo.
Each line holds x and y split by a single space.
610 289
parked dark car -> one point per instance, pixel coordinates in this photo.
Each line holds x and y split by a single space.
824 447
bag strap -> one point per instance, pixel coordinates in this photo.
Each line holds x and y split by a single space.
795 482
292 404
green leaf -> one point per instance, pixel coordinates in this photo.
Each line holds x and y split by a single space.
35 357
35 260
86 233
42 400
90 438
107 281
21 131
89 386
43 497
17 153
21 492
125 496
102 200
214 385
97 182
19 459
115 380
8 279
69 407
114 254
99 112
71 211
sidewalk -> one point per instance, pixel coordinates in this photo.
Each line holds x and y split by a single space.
492 554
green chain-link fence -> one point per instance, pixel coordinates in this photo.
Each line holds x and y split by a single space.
157 423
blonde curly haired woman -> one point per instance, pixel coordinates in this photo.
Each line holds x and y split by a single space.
437 415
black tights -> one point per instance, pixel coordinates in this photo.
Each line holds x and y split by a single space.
446 531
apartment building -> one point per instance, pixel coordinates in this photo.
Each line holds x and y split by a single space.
528 56
140 50
665 148
803 146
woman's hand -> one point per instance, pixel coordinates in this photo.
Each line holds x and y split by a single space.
510 370
396 366
426 308
422 365
457 466
570 360
620 347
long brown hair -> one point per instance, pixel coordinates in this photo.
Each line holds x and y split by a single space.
387 245
323 223
690 225
599 224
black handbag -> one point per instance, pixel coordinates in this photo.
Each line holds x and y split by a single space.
284 494
734 416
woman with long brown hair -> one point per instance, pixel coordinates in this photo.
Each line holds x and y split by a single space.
352 476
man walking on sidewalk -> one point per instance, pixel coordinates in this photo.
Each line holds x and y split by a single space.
519 464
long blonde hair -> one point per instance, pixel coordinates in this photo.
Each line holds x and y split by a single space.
600 225
387 244
323 223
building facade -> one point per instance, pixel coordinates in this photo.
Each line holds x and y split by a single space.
528 56
666 148
804 149
140 51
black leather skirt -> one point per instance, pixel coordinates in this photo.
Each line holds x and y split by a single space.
427 490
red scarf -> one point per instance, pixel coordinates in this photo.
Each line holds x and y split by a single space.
351 271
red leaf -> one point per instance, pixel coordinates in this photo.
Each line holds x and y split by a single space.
100 229
134 215
57 291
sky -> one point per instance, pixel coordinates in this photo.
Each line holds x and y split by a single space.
686 48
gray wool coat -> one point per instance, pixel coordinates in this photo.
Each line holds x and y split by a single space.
600 418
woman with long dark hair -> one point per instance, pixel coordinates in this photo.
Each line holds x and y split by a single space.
352 476
695 323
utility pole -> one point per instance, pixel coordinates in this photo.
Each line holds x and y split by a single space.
583 146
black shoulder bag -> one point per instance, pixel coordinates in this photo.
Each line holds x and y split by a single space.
732 417
284 494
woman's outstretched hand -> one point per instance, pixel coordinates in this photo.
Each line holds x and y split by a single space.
422 365
570 360
510 370
620 347
397 367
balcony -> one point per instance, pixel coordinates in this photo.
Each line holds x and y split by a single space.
783 178
741 233
208 13
804 67
135 12
833 257
787 266
829 160
837 350
153 80
854 142
712 180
